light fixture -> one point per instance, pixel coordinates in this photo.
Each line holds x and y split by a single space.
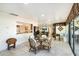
42 15
26 3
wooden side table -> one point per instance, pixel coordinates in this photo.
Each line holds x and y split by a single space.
58 36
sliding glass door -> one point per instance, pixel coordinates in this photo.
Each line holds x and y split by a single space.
74 35
71 36
71 32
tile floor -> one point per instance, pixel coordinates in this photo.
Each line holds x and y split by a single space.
59 48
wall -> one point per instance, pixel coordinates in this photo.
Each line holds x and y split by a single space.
63 33
50 28
8 29
66 37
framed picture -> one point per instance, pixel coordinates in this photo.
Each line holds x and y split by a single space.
23 27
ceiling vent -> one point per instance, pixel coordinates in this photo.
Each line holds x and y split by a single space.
13 14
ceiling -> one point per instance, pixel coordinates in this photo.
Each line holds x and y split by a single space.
42 12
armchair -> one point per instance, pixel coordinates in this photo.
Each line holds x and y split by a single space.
11 42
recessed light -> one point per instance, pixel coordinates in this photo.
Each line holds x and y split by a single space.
26 3
42 14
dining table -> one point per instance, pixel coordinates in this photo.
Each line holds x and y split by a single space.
41 40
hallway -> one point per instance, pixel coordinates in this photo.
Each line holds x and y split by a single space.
59 48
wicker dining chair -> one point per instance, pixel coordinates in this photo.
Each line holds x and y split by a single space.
47 43
33 45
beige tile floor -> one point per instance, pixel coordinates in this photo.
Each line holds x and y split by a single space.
59 48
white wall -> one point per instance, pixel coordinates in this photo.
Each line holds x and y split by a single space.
62 33
8 29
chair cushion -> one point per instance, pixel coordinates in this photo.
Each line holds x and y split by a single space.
44 36
45 44
32 36
11 44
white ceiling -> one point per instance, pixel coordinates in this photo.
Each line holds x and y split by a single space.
43 12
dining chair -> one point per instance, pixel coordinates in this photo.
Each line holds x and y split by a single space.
47 43
33 45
